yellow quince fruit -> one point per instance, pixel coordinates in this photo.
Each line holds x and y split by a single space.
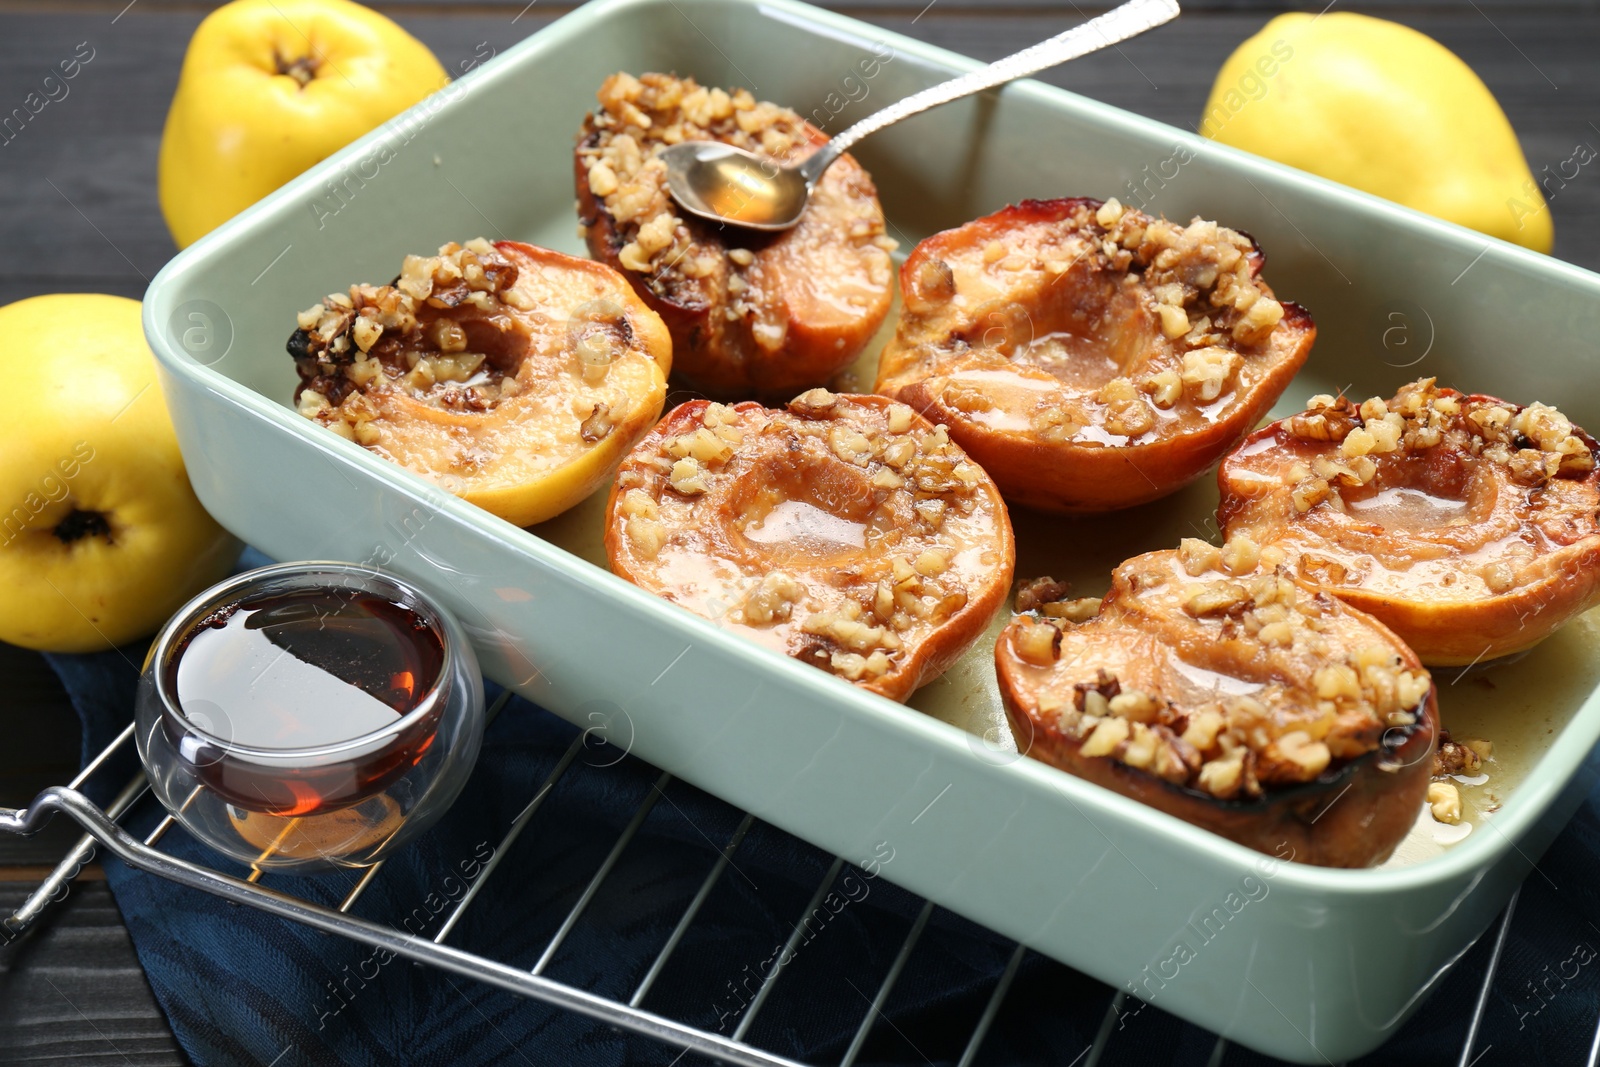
270 87
1385 109
102 537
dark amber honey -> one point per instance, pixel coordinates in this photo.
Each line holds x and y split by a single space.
273 682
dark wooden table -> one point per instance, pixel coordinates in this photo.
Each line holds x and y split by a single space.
78 213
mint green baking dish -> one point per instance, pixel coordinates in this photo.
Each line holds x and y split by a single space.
1308 964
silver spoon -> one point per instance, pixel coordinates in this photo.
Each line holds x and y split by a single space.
730 185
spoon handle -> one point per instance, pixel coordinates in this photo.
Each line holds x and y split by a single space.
1103 31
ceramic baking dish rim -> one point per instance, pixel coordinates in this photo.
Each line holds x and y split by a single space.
1523 808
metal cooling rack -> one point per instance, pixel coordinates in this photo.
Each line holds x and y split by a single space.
102 829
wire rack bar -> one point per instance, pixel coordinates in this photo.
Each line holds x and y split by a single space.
455 961
371 873
887 985
639 815
510 837
1594 1048
771 977
168 819
969 1055
55 883
100 760
1103 1038
691 911
357 890
1488 979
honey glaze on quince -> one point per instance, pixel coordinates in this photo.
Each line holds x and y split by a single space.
1090 356
484 367
1212 685
1466 523
1115 327
750 313
845 531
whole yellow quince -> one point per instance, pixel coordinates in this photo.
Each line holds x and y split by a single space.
101 536
270 87
1383 108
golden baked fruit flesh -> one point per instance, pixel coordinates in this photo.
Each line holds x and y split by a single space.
512 376
750 313
1089 356
845 531
1235 696
1466 523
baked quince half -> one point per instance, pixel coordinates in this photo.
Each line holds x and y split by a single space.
1466 523
750 313
1237 697
845 531
513 376
1091 356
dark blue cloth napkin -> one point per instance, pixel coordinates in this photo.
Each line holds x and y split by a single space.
242 987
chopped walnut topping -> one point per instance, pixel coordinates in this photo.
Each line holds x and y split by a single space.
872 516
1080 609
1054 423
703 446
1054 294
1240 555
598 425
1444 802
1165 388
1207 371
1307 758
1317 702
1039 642
1051 599
1311 492
772 599
640 503
648 535
1459 757
1223 777
1136 705
372 336
1094 698
688 477
686 261
1127 413
1106 736
967 396
845 626
1033 595
1225 598
1198 556
1110 213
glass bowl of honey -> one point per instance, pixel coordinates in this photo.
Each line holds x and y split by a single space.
309 715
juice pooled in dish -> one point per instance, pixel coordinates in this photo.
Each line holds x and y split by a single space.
513 376
1466 523
1215 686
750 313
1090 356
845 531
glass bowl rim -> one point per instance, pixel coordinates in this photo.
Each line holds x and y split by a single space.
184 619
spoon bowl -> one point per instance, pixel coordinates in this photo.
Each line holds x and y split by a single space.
722 183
